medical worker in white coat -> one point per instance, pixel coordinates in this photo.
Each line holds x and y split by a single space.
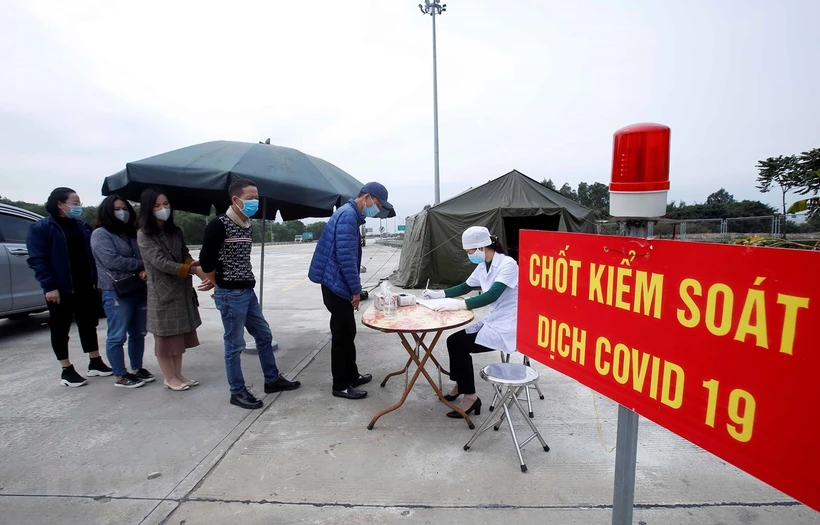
496 275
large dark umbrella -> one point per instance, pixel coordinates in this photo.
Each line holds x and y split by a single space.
197 177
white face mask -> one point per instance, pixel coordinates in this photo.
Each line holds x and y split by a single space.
162 214
122 215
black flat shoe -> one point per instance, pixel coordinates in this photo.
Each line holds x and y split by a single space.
476 407
450 397
281 384
363 380
245 400
350 393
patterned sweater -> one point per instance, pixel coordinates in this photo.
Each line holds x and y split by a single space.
226 248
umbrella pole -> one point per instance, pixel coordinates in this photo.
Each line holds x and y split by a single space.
262 263
251 348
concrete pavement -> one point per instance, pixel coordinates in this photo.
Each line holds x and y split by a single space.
85 455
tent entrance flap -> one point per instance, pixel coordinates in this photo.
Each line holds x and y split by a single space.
513 225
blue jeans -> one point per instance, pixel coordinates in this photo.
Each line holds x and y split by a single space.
126 317
240 309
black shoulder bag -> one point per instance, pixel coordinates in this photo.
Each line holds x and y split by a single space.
130 285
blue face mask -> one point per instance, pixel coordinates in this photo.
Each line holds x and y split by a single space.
477 257
371 211
250 207
74 212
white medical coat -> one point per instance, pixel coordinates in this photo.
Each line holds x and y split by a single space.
498 329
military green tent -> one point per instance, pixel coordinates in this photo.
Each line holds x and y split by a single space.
432 239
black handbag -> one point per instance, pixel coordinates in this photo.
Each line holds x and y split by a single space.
128 286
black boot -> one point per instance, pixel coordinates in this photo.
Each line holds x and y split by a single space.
71 378
98 368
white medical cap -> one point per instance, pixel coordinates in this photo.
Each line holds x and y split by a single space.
476 237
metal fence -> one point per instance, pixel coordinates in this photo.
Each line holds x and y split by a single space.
704 230
795 228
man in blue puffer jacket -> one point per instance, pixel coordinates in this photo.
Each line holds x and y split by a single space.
336 264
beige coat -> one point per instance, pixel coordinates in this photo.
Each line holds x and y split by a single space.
172 301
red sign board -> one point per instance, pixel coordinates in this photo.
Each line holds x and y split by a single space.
719 344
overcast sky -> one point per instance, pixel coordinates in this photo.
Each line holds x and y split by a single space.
539 86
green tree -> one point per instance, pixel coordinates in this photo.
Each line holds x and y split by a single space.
721 196
280 232
724 210
595 196
809 166
317 228
297 227
747 208
256 231
39 209
192 226
809 176
567 191
90 215
781 171
89 212
549 184
800 173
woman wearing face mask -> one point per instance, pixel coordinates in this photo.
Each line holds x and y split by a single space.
173 313
121 277
496 275
59 248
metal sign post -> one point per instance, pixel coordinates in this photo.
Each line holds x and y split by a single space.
626 457
626 447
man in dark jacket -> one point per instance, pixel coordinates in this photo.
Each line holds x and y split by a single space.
336 264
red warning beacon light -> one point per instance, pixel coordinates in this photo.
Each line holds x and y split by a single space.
640 171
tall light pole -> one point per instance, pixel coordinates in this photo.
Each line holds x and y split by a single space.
433 8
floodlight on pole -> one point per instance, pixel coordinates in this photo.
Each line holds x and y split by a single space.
433 8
